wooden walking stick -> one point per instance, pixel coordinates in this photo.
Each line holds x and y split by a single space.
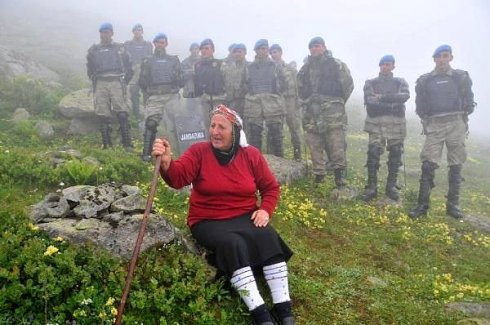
139 240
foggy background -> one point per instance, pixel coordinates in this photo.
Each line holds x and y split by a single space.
59 32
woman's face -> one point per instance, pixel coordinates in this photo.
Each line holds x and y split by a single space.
221 132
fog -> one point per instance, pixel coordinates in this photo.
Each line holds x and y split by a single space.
358 32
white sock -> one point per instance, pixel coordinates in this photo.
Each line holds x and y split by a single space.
243 281
276 276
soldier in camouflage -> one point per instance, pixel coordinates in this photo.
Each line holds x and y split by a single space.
188 70
444 99
109 68
324 85
384 98
293 113
264 102
234 74
161 80
208 77
138 48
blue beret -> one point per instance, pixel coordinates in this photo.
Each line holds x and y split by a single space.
159 36
260 43
387 58
275 47
442 48
239 46
105 26
193 46
137 26
316 40
230 48
207 41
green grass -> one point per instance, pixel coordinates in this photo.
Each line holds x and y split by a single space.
353 263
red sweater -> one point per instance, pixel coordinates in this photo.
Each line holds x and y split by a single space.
223 191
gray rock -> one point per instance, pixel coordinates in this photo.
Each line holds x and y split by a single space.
376 282
130 190
481 223
471 309
78 104
113 218
344 193
285 170
44 130
129 204
75 193
21 114
95 200
84 126
53 206
91 161
15 64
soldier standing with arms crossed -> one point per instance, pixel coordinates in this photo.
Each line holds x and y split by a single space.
385 97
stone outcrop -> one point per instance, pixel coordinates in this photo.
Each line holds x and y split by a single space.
15 64
108 215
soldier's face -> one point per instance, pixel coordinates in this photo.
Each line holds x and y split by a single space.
138 33
207 51
194 51
221 132
262 52
106 35
276 55
161 43
443 59
317 49
239 54
386 68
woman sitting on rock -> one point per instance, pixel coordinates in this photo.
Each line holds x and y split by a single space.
224 216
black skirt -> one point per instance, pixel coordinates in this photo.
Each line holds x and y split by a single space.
237 242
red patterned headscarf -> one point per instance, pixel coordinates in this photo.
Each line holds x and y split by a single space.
234 118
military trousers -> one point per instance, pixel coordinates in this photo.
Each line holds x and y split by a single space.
386 131
449 130
327 146
293 119
110 96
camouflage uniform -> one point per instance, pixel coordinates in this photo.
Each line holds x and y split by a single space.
138 49
188 75
209 83
384 98
109 68
443 102
161 80
324 85
264 103
234 75
293 110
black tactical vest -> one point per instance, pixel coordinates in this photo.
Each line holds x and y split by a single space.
208 78
138 51
443 94
385 86
262 78
108 60
162 70
329 82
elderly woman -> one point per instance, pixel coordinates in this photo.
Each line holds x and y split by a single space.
225 216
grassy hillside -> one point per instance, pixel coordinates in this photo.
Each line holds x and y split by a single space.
353 263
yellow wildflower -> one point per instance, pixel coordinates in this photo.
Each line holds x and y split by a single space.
51 250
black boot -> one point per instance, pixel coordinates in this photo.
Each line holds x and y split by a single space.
283 314
372 164
261 316
125 131
426 185
394 163
148 139
454 180
319 179
105 131
274 135
339 177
